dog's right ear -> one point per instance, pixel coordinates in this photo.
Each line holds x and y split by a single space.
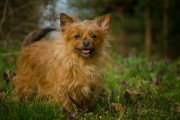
65 20
103 22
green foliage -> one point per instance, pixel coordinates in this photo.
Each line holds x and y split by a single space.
147 89
19 17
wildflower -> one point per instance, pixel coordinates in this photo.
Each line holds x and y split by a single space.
150 94
123 83
126 95
113 92
64 110
68 115
152 63
166 60
72 116
150 80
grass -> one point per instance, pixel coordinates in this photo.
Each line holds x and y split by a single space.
146 89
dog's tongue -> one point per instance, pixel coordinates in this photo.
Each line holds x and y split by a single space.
86 51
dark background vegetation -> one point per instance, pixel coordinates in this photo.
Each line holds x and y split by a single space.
144 26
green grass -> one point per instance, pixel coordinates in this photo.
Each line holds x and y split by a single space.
152 90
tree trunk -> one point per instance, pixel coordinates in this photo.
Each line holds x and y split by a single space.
165 27
148 32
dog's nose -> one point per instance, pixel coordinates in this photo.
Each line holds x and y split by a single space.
86 43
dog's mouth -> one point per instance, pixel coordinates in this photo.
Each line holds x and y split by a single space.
86 52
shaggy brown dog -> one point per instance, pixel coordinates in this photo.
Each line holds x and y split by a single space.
68 70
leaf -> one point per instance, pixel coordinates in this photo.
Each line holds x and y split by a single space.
176 108
117 107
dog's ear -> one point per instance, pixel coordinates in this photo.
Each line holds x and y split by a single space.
65 20
103 22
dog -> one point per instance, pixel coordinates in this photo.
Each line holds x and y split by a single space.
69 69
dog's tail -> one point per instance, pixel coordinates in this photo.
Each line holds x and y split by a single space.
36 36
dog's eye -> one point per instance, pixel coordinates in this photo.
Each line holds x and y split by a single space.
93 36
77 36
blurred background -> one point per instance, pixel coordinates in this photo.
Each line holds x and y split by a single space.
150 27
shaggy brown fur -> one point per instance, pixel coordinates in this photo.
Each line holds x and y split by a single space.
36 36
68 70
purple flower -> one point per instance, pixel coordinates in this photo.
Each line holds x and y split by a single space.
123 83
166 60
126 95
68 115
64 110
150 93
113 92
72 116
150 80
152 63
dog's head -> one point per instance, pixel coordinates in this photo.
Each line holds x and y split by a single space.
84 37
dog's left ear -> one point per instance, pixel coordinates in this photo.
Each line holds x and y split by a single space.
103 22
65 20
